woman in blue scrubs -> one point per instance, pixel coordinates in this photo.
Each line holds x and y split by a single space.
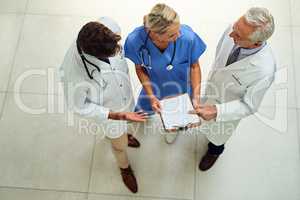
166 56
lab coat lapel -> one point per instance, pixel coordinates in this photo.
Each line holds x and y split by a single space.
252 60
225 49
239 65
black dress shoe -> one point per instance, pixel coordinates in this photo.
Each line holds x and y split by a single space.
133 142
207 161
129 179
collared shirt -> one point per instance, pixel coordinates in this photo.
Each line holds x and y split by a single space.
247 52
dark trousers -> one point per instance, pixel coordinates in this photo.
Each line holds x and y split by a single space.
214 149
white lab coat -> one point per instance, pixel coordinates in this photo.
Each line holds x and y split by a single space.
237 89
109 91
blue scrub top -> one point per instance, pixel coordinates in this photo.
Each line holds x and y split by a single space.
189 47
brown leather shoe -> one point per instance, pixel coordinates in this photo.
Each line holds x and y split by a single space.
207 161
133 142
129 179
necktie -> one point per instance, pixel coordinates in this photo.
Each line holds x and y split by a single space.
233 56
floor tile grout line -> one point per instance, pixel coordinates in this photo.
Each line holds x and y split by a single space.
298 128
13 13
290 13
139 196
26 6
92 164
42 189
196 169
59 15
95 193
87 16
3 103
293 55
14 59
294 74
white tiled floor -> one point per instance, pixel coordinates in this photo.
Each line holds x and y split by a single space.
295 6
9 194
43 158
2 98
11 26
53 35
157 176
261 162
296 36
40 151
13 6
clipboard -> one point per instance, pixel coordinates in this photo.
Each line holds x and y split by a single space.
174 113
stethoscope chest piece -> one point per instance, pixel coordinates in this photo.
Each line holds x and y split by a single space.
170 67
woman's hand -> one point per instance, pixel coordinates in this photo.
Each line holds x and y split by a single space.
155 104
129 116
196 103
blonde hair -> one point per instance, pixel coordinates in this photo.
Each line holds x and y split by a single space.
160 18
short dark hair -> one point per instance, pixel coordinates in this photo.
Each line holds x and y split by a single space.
97 40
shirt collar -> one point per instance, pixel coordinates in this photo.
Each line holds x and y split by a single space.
248 52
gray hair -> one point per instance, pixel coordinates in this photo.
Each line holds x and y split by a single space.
263 21
160 18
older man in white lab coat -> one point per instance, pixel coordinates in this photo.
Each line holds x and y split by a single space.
242 72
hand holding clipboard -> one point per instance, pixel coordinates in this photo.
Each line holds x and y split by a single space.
175 113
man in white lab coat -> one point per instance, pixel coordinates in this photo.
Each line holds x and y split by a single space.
242 72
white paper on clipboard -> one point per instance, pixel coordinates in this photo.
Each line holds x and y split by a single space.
174 112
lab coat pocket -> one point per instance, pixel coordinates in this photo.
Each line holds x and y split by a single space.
236 79
236 86
241 79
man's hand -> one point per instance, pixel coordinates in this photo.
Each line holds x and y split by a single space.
129 116
155 104
207 112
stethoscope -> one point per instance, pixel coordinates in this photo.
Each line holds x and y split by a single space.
145 53
103 83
